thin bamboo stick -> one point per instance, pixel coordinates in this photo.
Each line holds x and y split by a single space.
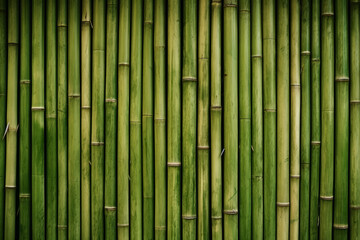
12 120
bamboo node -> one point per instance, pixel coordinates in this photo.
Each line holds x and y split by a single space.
305 53
62 226
355 207
24 195
283 204
126 64
111 100
327 198
122 225
10 187
342 79
61 25
244 11
203 147
269 110
340 226
189 79
74 95
15 44
354 101
256 56
216 108
25 81
148 22
135 122
230 5
315 59
174 164
110 208
160 228
216 3
6 130
315 142
97 143
189 217
216 217
295 85
147 115
37 108
51 115
86 107
294 176
327 14
231 212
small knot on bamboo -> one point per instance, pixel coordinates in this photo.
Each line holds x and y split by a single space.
283 204
230 5
315 142
160 120
216 108
256 56
62 25
10 186
110 208
355 207
203 147
295 176
327 198
25 81
135 122
354 101
15 44
342 79
189 79
174 164
296 85
24 195
315 59
216 217
216 3
327 14
231 212
244 11
122 225
97 143
86 107
305 53
124 64
111 100
189 217
340 226
269 110
37 108
148 22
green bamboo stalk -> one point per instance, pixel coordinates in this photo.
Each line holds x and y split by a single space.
231 119
159 121
136 217
341 188
85 119
12 120
148 120
327 119
215 121
50 114
283 121
97 120
269 85
24 122
244 120
203 151
110 118
62 119
38 121
315 120
174 121
354 179
123 121
257 122
305 120
295 99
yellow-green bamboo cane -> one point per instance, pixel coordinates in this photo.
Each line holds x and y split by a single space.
3 70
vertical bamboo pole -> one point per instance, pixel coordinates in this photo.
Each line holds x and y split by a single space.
189 97
12 120
174 121
38 121
123 121
341 188
51 116
231 119
305 120
62 119
257 122
203 151
244 120
24 122
110 119
159 120
85 119
283 121
315 120
354 179
97 120
148 120
269 85
327 119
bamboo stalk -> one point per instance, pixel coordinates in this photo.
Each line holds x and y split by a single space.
110 119
257 122
136 217
148 120
123 121
295 99
244 120
269 85
159 121
305 128
24 122
189 96
315 120
283 122
203 151
341 189
327 119
38 121
12 120
62 119
354 179
97 120
231 119
85 119
174 121
215 121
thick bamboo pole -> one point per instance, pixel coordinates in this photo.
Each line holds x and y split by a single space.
159 120
174 120
11 119
244 120
97 120
148 120
231 119
203 151
51 116
283 121
215 121
315 120
257 122
341 188
269 43
38 121
123 121
62 119
305 120
24 122
110 118
85 118
327 119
